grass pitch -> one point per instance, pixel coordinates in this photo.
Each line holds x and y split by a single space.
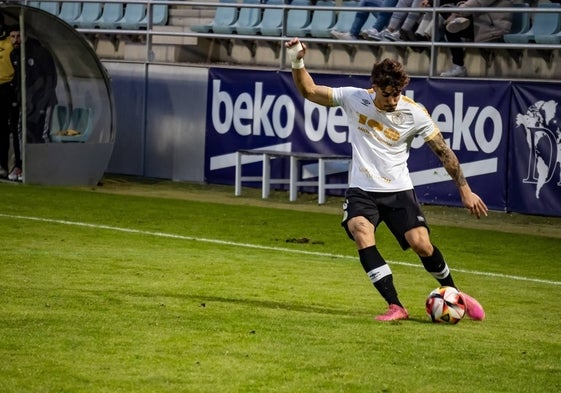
107 292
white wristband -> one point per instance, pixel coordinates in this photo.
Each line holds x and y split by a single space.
298 64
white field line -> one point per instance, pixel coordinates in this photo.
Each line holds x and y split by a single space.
256 246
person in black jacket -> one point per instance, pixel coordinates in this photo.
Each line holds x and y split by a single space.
41 80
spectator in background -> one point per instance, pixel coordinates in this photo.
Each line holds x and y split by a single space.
361 16
40 83
402 25
475 26
8 114
381 21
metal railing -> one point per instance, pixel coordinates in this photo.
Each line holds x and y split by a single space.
432 47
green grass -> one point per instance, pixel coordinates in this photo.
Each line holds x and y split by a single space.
233 304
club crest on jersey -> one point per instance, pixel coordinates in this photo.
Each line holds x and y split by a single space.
397 118
543 136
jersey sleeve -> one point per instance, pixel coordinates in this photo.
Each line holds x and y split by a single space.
340 94
427 127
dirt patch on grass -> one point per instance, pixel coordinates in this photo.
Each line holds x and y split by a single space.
436 215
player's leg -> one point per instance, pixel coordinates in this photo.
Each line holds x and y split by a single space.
431 257
435 264
360 217
411 223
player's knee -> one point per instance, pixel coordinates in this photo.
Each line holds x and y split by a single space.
360 228
422 249
420 243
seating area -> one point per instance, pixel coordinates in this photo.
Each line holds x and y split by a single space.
542 28
247 20
109 16
251 32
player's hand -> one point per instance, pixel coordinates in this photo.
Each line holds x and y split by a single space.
296 49
475 204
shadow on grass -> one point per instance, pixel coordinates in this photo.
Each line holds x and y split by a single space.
204 301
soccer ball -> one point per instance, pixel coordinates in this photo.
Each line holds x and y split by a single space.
445 304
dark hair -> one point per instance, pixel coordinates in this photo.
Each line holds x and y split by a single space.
12 28
389 72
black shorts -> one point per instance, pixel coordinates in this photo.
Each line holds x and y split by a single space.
399 210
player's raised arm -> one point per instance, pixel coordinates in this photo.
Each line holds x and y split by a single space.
449 160
321 95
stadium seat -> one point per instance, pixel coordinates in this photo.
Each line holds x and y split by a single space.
551 39
132 17
520 20
271 23
60 118
323 20
248 18
224 17
112 12
74 128
90 13
50 6
345 19
70 11
159 16
298 20
544 24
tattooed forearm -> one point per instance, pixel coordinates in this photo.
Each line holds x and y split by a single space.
448 159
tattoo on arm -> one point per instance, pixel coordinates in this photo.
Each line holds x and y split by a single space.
448 159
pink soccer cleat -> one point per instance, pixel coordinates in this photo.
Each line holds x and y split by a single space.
474 310
394 313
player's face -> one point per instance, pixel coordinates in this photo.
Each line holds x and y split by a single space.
386 99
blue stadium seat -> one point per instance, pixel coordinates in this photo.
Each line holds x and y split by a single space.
74 128
551 39
544 24
345 18
90 13
223 17
132 17
271 23
70 11
112 12
60 119
248 18
298 21
50 6
323 20
159 16
520 20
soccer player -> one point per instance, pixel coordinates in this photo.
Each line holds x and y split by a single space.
382 124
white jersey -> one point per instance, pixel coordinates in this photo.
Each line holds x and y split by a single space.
381 140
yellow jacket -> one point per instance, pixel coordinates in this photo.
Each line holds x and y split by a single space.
6 68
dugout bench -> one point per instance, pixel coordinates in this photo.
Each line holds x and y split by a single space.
295 179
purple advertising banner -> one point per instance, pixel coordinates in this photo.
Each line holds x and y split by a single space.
263 110
534 184
474 120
